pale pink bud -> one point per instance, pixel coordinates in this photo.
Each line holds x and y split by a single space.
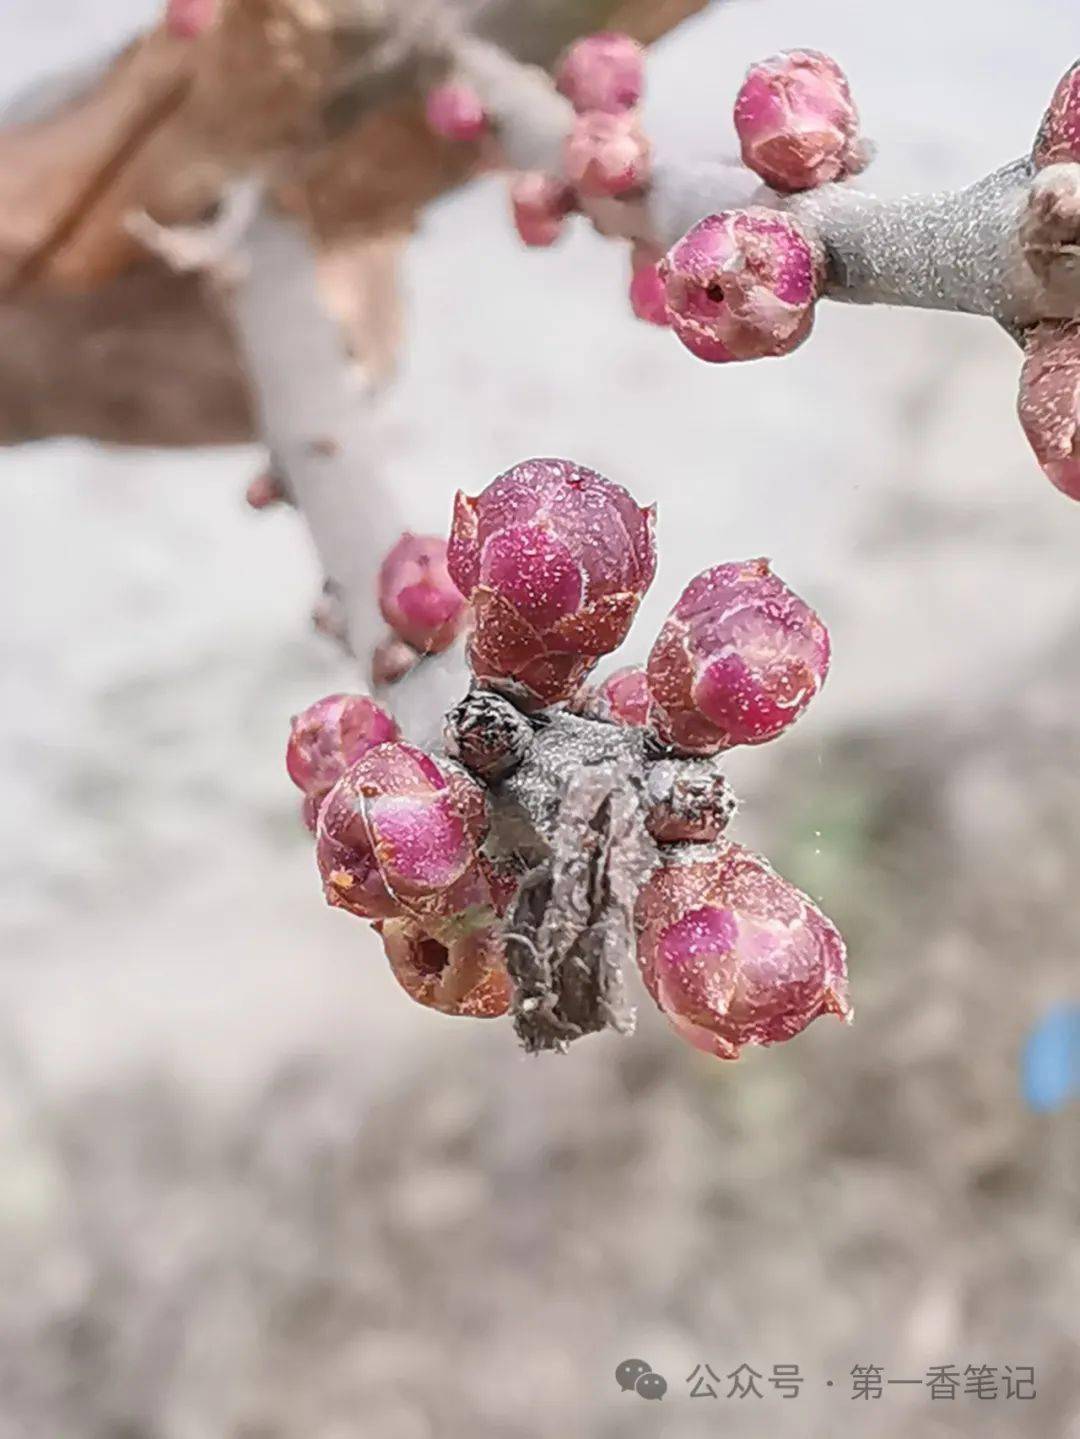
737 661
417 597
328 737
797 122
391 660
602 72
455 111
1050 401
1059 134
742 285
466 975
622 698
398 834
541 204
554 559
188 19
265 490
647 296
607 155
734 955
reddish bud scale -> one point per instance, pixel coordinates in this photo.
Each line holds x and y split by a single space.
554 559
456 112
734 955
465 976
603 72
540 204
738 660
1049 404
796 121
742 286
328 737
607 155
398 835
648 299
1058 139
623 698
417 597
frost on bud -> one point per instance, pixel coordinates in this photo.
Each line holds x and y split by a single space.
607 155
742 285
455 111
487 735
541 204
398 834
689 800
623 698
737 661
1050 227
603 72
734 955
797 122
1058 139
465 976
1049 403
647 298
391 660
417 597
554 559
327 738
188 19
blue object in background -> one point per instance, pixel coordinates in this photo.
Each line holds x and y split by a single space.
1050 1069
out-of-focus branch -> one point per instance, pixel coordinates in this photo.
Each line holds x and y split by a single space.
317 412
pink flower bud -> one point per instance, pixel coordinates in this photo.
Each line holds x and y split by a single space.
265 490
398 834
555 559
623 698
734 955
417 597
737 661
607 155
1059 134
797 122
1050 227
1050 402
456 112
188 19
391 660
541 204
647 298
602 72
464 976
327 738
742 285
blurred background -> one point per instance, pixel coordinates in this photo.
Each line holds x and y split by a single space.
246 1188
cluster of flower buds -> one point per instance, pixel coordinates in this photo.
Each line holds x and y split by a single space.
554 559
